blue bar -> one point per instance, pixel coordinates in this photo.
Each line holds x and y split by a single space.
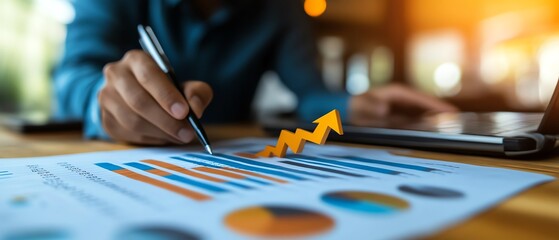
393 164
213 166
195 162
319 163
238 185
241 166
6 174
139 166
254 180
196 183
303 165
3 171
346 164
178 178
261 164
109 166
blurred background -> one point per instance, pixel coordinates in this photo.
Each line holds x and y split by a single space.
31 36
482 55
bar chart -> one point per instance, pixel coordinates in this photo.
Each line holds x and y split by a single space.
154 182
345 164
202 176
387 163
214 174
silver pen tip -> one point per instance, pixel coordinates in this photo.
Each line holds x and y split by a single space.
209 149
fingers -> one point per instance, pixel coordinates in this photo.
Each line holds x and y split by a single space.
369 106
157 84
381 104
133 106
402 96
132 122
117 132
143 106
199 95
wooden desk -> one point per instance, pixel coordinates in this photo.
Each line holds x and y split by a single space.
533 214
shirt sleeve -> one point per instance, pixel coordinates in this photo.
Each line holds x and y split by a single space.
100 33
296 64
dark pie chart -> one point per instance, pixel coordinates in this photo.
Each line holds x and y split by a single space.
155 233
430 191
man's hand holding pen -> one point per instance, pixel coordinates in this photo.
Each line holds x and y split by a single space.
140 105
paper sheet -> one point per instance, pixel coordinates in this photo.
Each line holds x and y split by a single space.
327 192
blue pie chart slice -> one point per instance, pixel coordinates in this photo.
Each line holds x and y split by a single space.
365 202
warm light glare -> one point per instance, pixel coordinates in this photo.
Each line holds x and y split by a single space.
60 10
382 65
549 68
434 58
315 8
332 51
358 80
357 83
495 67
447 77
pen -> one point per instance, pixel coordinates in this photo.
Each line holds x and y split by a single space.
151 45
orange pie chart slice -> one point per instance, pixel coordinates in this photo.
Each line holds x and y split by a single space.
278 221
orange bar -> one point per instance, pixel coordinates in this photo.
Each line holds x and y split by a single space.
256 175
220 172
158 172
170 187
183 170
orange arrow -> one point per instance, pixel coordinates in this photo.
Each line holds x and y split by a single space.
296 141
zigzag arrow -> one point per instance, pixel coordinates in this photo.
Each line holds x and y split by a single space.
296 141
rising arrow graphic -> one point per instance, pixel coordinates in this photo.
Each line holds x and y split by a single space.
296 141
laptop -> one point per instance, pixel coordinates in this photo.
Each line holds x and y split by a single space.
504 134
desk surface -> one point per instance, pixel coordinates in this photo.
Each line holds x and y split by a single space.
533 214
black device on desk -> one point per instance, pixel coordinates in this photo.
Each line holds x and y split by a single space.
33 123
496 133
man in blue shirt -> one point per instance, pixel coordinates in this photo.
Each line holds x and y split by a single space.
220 48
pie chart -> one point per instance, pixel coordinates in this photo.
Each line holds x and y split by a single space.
278 221
430 191
156 233
365 202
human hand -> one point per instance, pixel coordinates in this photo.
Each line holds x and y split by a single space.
393 100
140 105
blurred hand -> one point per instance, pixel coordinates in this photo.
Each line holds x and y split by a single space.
140 105
393 100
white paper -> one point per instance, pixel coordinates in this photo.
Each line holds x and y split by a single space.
70 197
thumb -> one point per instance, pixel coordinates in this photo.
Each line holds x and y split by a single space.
199 95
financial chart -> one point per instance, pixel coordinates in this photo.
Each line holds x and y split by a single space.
327 192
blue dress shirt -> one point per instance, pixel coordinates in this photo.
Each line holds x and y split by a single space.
230 51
